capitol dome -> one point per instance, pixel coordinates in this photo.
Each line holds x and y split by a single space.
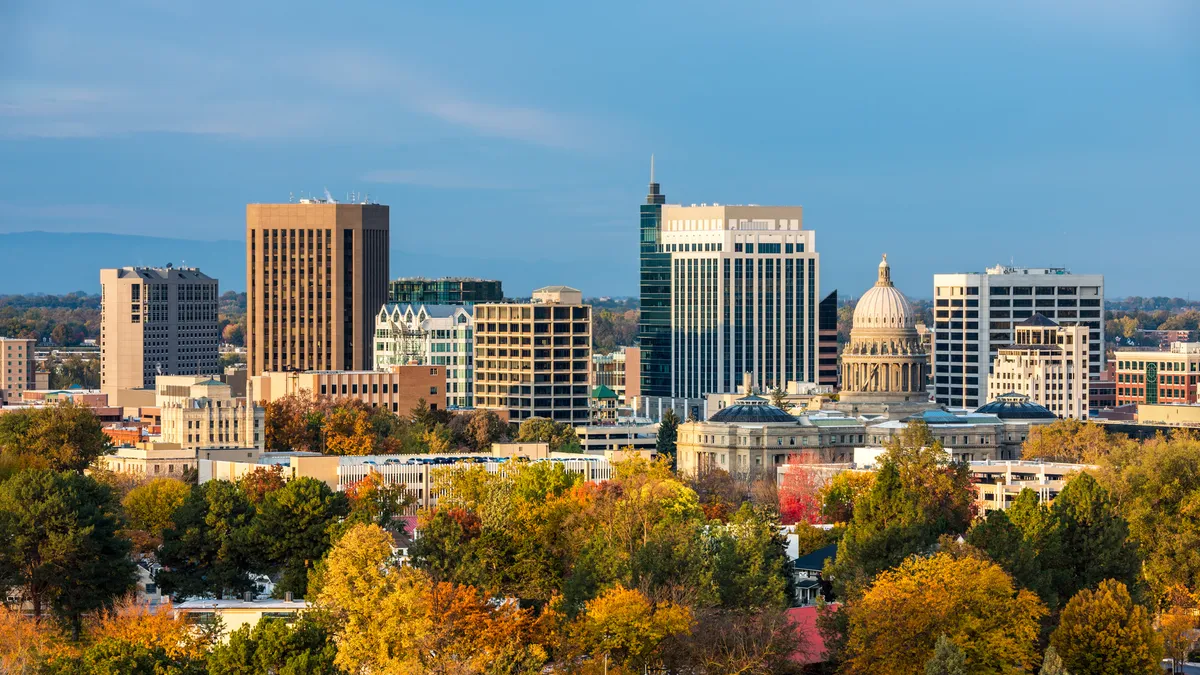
883 306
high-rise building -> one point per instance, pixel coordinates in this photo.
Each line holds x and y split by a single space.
744 291
534 359
441 335
156 321
1048 363
18 358
445 291
654 320
827 341
316 276
974 315
1167 376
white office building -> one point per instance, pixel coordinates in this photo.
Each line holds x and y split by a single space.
975 315
1047 363
745 291
441 335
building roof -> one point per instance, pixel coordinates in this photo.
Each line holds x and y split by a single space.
602 391
934 417
209 382
1014 406
1039 320
815 560
556 289
883 305
752 410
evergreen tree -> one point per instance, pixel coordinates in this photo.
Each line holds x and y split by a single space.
292 526
1006 545
668 433
305 647
1095 536
59 544
947 659
207 547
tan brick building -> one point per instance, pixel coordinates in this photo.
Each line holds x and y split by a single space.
534 359
156 321
16 355
316 276
399 388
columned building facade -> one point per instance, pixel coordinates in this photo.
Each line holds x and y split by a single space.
884 362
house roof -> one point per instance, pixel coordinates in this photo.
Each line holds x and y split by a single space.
815 560
602 391
804 619
1040 320
1014 406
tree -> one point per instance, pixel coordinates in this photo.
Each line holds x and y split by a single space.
348 432
1066 440
59 544
752 564
374 500
207 548
970 601
779 399
483 429
799 490
305 647
948 659
63 437
627 628
1105 633
110 656
292 529
668 434
732 641
149 508
1007 546
838 496
1094 537
560 436
438 439
153 627
1052 663
260 482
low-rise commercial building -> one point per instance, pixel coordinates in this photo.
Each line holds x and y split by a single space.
639 435
620 371
1152 377
152 460
1048 363
1169 414
998 484
441 335
235 613
399 388
205 414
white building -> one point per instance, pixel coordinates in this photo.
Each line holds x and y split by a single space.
974 315
430 335
198 412
1048 363
745 293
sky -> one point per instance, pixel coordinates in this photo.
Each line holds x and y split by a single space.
950 134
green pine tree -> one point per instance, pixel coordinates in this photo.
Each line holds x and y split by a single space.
668 433
948 659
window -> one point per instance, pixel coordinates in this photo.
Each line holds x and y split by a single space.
432 390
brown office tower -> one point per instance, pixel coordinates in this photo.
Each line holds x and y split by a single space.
316 276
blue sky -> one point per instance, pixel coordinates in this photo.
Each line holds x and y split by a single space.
949 134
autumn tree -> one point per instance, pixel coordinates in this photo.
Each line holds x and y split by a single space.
1066 440
560 436
291 529
838 496
484 428
374 500
972 602
917 495
59 544
152 626
623 625
207 548
800 489
149 508
262 480
347 431
763 642
120 656
1104 632
63 437
1052 663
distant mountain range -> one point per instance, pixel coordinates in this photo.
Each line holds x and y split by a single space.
62 262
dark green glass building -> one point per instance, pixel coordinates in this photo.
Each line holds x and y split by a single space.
654 325
445 291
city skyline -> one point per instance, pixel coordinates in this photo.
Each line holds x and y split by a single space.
1062 128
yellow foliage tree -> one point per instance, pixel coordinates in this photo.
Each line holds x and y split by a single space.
1067 440
624 626
894 625
348 432
141 624
1102 632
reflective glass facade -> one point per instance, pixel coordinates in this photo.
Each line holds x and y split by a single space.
654 327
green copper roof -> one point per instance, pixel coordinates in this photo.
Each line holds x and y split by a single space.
602 391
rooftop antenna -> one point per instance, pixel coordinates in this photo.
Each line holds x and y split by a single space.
291 197
651 167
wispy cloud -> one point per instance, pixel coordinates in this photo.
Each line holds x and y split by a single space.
433 178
